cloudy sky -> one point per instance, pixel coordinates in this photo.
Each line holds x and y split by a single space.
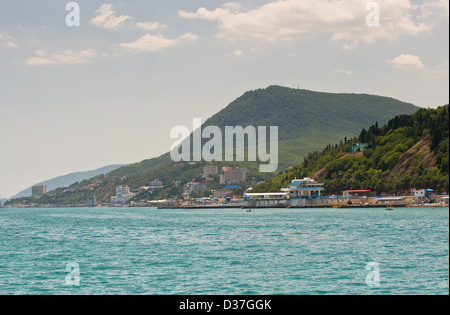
109 91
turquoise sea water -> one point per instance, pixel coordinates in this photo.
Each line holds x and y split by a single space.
267 251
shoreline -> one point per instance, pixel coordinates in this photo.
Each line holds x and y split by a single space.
304 207
409 202
242 207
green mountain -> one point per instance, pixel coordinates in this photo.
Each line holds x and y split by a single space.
307 121
410 151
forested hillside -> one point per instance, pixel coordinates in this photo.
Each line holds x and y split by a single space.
410 151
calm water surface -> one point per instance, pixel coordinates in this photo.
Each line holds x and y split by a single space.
268 251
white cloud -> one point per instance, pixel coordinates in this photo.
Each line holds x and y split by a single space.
150 43
150 26
342 20
342 71
435 8
406 62
10 44
8 40
439 71
351 46
154 43
238 53
189 37
107 18
42 58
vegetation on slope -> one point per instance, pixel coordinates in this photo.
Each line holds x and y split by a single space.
410 151
308 120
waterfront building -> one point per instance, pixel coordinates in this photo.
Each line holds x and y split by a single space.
232 176
281 199
356 193
418 192
92 201
191 187
304 188
123 195
220 194
38 190
421 193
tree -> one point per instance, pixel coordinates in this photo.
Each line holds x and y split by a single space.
363 136
436 139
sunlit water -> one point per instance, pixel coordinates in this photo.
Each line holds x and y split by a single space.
224 251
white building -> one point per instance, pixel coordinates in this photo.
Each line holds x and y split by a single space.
123 194
156 184
210 170
191 187
419 193
304 188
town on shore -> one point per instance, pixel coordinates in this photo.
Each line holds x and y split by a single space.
301 193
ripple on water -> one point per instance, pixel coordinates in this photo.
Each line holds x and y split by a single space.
271 251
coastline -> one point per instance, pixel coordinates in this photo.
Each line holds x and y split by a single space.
273 203
304 207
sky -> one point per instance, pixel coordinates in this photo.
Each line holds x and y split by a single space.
109 91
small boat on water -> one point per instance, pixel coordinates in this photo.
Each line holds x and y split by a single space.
249 210
390 207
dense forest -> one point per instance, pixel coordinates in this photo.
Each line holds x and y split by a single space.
410 151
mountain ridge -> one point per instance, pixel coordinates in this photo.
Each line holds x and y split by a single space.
68 179
307 121
256 108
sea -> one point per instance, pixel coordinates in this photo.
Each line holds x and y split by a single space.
146 251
